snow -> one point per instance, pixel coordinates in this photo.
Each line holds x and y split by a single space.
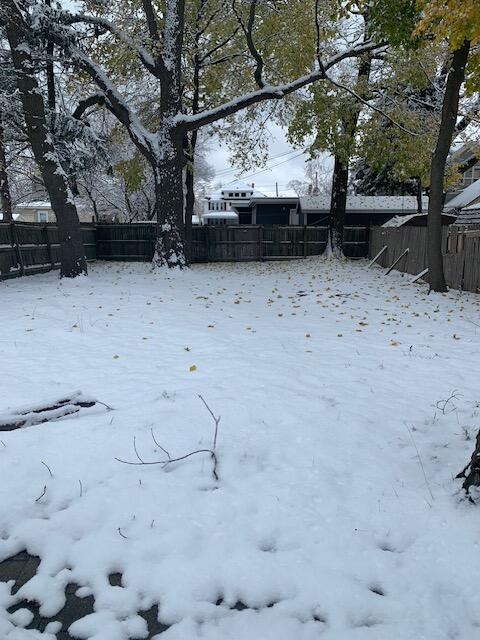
220 215
399 204
348 403
468 196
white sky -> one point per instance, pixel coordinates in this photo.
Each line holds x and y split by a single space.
284 164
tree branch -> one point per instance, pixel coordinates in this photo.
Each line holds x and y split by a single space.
272 92
143 55
248 32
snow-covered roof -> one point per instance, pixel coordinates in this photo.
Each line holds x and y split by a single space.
469 215
215 215
236 185
399 221
469 195
365 203
36 204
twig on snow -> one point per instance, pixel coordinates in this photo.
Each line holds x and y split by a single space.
46 465
42 494
159 445
215 419
120 532
421 463
442 404
212 451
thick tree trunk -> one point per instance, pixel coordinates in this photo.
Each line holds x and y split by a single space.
189 208
455 79
72 254
190 193
5 197
338 205
338 202
169 248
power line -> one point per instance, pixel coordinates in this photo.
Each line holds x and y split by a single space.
226 172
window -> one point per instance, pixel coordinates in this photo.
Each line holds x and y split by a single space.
243 195
42 216
230 195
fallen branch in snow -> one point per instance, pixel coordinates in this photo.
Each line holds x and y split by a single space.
49 412
442 404
141 462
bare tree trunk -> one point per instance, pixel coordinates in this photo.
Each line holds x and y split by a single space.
5 197
338 205
456 76
72 254
338 202
419 195
190 194
169 248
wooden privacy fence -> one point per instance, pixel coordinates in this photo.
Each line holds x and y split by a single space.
235 243
460 249
28 247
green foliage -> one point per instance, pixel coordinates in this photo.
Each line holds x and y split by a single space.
395 21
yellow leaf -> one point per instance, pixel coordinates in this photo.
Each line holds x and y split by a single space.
193 367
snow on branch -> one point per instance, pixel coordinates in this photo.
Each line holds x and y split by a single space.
140 136
269 92
143 55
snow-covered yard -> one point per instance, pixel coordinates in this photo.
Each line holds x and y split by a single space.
335 516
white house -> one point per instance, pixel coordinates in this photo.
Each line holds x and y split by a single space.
41 211
226 205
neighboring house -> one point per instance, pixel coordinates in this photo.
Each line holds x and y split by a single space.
229 204
465 198
41 211
469 166
272 211
361 210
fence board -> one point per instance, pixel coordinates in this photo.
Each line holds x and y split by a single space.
460 248
29 247
37 248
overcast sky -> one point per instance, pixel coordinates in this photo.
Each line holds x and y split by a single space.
284 164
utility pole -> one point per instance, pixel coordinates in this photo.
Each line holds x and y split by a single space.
276 188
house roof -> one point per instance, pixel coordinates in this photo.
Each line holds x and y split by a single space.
36 204
273 200
236 185
417 219
215 215
398 204
469 215
468 196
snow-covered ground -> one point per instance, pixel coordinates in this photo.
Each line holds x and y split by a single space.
335 515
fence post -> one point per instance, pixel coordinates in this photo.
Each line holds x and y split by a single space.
17 247
260 243
49 246
305 253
